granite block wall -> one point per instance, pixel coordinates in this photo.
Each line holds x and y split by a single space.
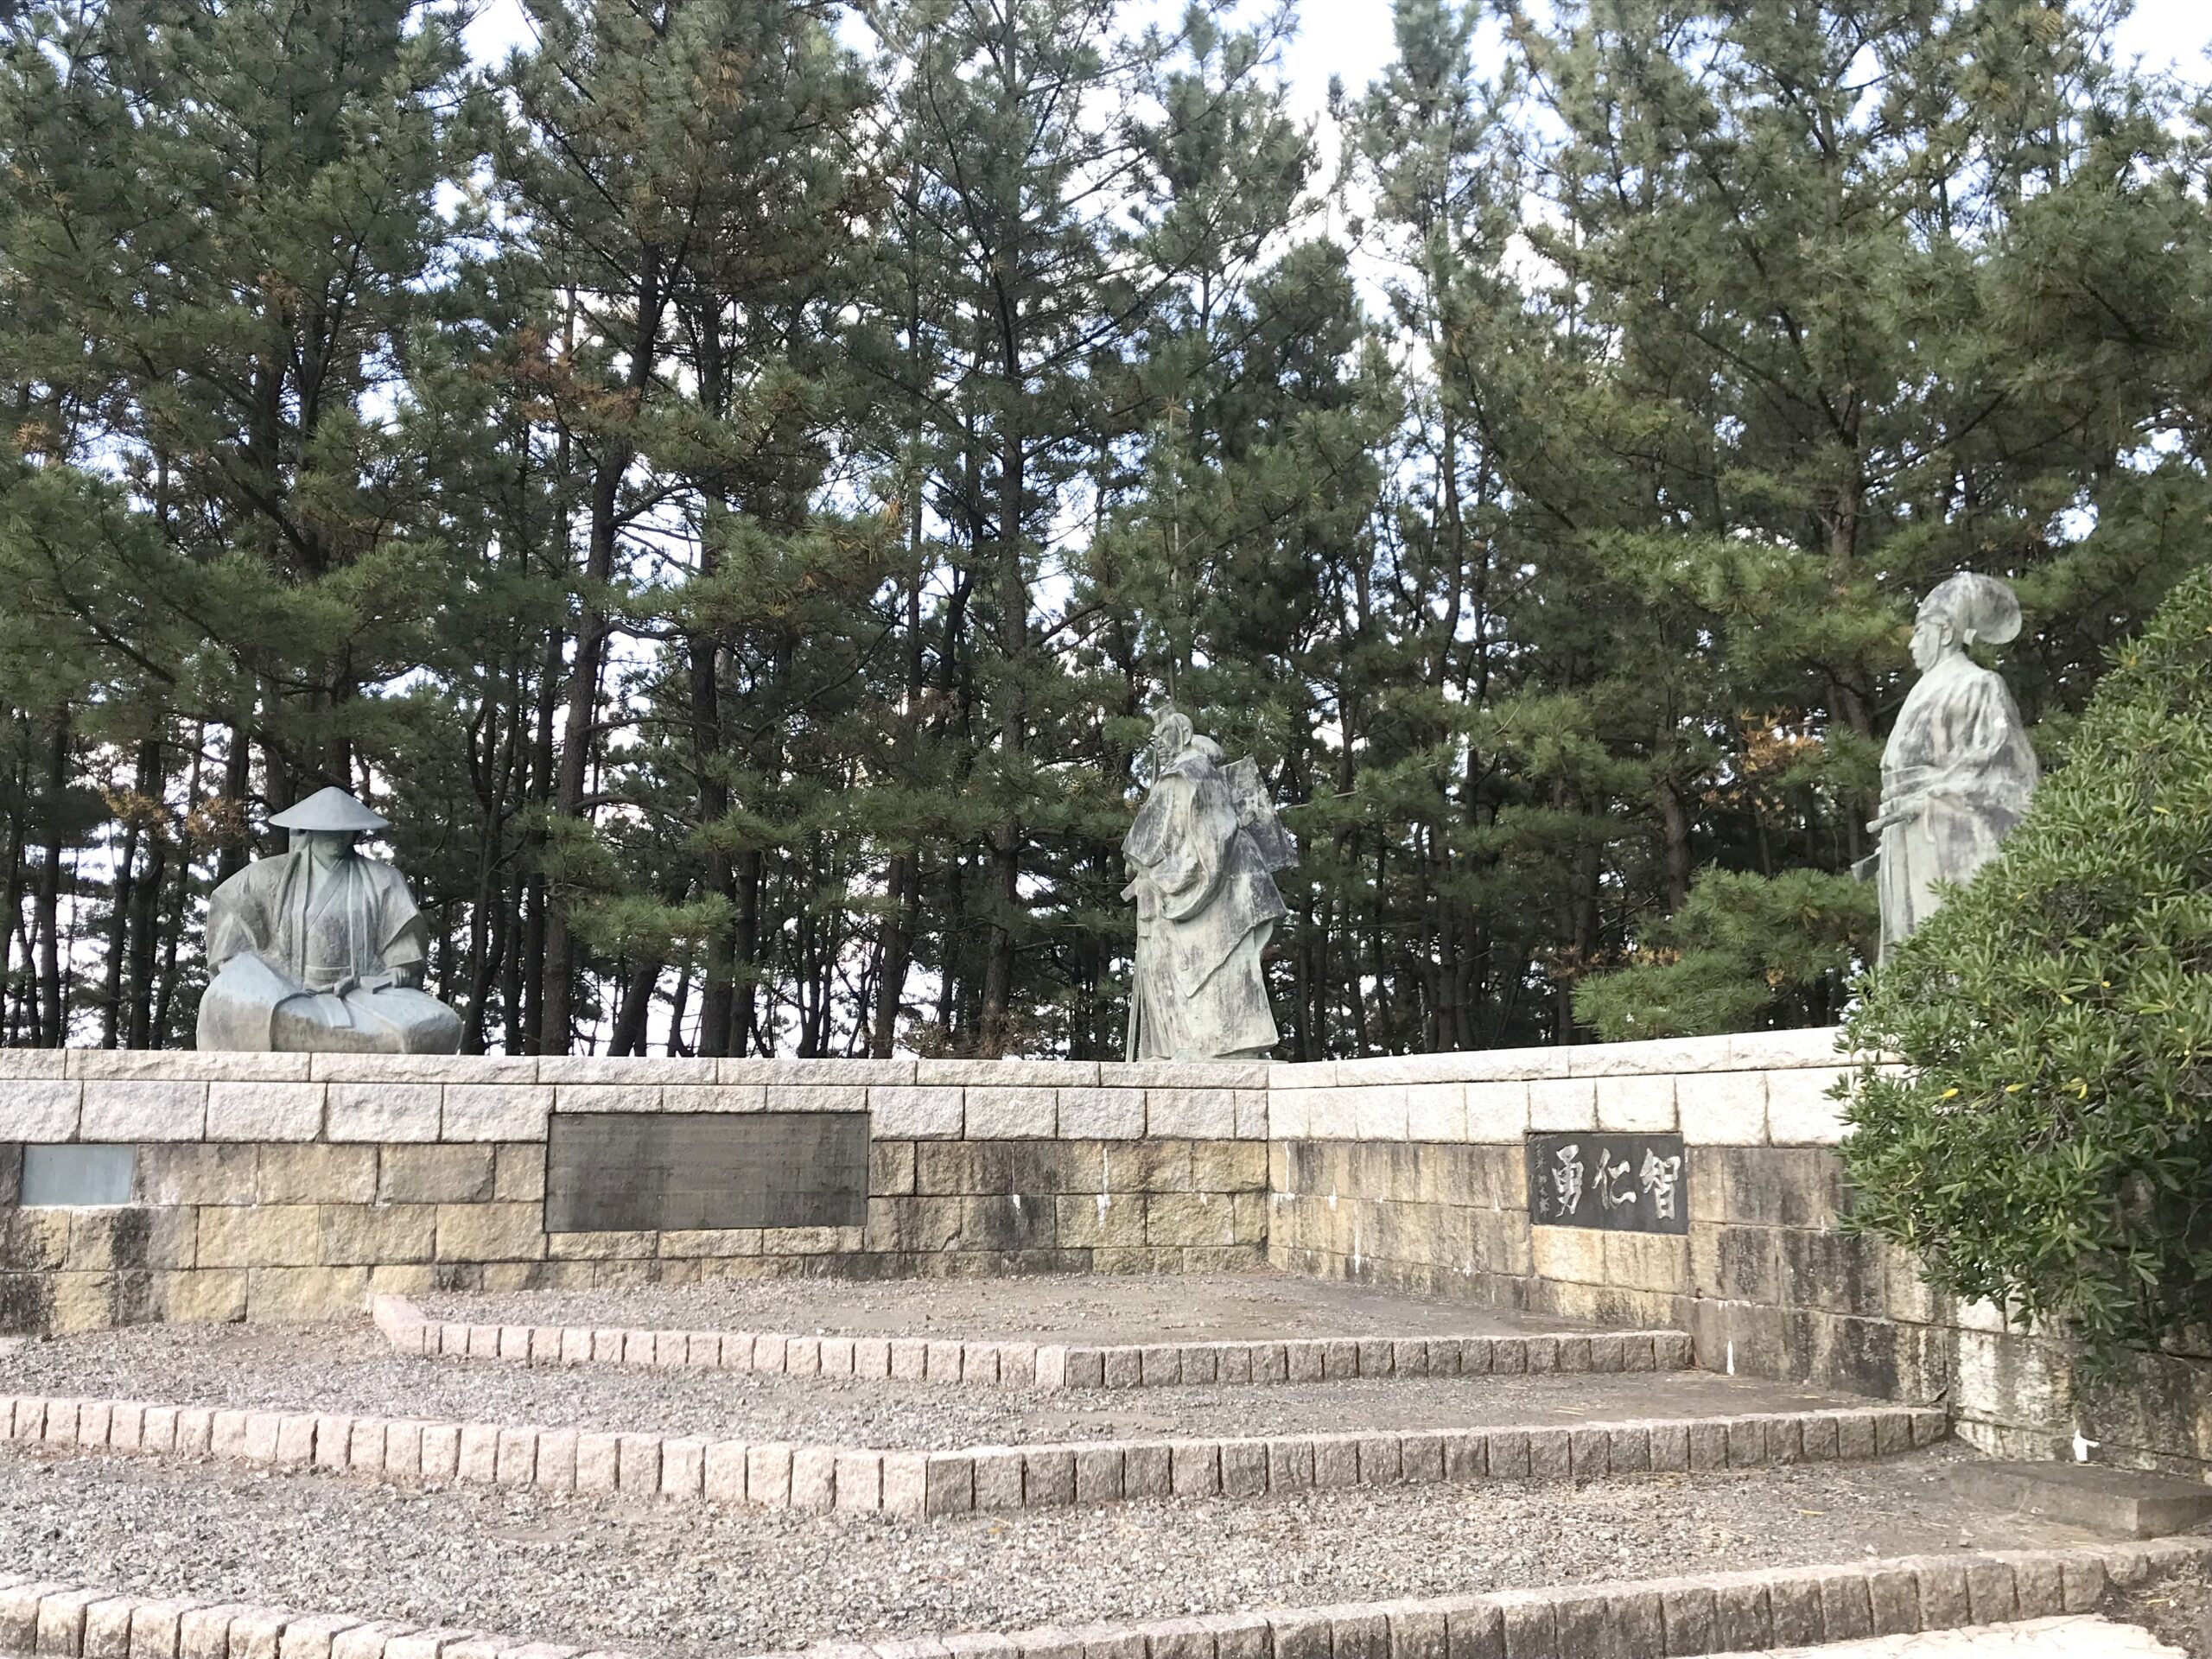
291 1186
1411 1173
283 1186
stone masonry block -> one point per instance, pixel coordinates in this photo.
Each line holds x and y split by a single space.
1722 1109
742 1098
260 1236
379 1233
144 1111
39 1110
1637 1104
1252 1115
490 1232
451 1174
1006 1074
1497 1110
1332 1114
1562 1103
264 1111
1798 1112
817 1098
382 1111
916 1113
1100 1113
1436 1111
424 1068
1191 1114
1028 1112
317 1173
496 1111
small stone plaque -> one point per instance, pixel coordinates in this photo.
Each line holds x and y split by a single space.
77 1176
679 1172
1622 1183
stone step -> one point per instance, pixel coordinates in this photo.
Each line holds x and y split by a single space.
862 1479
2118 1503
1032 1365
1709 1613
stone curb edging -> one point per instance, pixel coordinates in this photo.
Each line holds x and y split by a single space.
1652 1619
1031 1365
76 1622
861 1480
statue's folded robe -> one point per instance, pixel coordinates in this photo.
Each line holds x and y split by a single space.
367 929
1198 982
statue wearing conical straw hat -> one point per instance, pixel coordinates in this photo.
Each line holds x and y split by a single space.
321 948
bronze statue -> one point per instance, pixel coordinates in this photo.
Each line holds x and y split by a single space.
1202 856
321 948
1959 770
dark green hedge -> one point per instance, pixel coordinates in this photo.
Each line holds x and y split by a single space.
2051 1146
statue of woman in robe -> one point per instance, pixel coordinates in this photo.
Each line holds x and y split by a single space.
1201 857
319 949
1959 770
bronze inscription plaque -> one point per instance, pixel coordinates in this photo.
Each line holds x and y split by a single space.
648 1172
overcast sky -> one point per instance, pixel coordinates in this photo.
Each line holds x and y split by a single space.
1351 38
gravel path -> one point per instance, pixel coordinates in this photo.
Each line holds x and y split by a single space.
1055 1307
348 1368
696 1580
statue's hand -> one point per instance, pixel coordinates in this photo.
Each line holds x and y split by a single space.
351 983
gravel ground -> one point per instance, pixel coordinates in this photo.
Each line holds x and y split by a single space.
1055 1307
347 1367
695 1579
2176 1607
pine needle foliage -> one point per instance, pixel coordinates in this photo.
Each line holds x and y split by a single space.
2048 1145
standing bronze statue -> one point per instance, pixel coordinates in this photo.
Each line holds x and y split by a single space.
321 948
1959 770
1202 856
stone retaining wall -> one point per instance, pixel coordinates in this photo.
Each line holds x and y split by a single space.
273 1186
1411 1172
293 1186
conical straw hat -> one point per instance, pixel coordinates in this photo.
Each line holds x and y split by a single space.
331 808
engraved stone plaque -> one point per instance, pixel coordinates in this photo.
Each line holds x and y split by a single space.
77 1175
1622 1183
646 1172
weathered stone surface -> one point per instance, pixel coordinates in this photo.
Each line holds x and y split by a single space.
916 1113
1497 1109
1637 1103
138 1110
1799 1112
510 1112
1099 1113
39 1109
264 1111
439 1174
1027 1111
1562 1103
394 1111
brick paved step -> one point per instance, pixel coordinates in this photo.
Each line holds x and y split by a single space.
1710 1613
863 1479
1031 1365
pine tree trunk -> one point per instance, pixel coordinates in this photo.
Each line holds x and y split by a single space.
53 1032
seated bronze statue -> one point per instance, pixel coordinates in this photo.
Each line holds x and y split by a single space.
319 949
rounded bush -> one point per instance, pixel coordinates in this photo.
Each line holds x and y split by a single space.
2050 1146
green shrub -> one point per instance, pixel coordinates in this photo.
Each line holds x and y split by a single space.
2051 1146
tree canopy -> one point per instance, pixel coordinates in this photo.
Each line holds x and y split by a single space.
731 480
